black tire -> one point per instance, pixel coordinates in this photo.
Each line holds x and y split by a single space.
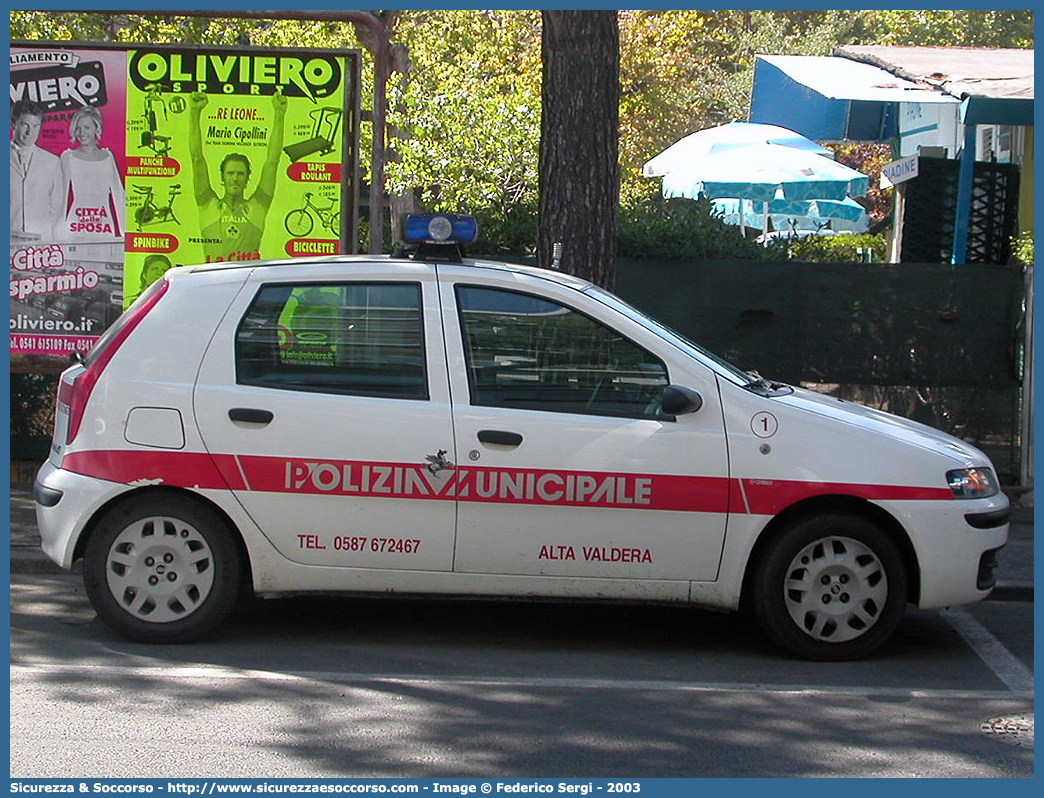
830 587
298 223
162 568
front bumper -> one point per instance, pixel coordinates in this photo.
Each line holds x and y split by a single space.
956 543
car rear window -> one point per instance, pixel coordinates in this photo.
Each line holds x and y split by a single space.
350 338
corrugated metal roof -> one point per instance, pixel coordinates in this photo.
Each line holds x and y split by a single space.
844 79
961 72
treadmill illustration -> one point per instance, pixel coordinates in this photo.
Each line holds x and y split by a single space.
324 138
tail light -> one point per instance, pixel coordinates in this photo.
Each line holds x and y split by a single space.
74 395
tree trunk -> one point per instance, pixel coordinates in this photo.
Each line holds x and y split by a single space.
579 142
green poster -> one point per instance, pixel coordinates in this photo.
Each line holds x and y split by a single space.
233 155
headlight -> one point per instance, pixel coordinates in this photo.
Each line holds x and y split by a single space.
972 483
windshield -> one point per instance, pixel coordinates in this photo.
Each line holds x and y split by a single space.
722 367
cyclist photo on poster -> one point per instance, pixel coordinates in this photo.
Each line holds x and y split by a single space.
153 267
231 222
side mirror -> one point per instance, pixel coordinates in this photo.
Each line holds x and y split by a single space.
679 401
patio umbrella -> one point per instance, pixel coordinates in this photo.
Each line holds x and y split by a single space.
764 172
713 140
846 214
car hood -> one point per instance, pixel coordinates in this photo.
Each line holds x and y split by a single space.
879 422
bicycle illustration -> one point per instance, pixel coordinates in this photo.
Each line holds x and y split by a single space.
299 222
151 213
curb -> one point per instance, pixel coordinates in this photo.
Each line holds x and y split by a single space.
1012 591
41 566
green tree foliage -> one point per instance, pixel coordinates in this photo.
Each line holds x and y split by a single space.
869 158
960 28
467 105
469 112
1022 249
683 71
95 27
670 65
467 121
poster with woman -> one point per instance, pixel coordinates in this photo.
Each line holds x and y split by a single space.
68 130
128 161
92 188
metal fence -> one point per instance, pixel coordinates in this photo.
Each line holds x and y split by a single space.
946 345
937 343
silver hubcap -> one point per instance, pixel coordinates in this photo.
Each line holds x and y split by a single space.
160 569
835 589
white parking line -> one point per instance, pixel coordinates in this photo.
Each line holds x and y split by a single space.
1002 662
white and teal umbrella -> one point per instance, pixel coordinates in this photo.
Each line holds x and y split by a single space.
681 155
764 172
845 214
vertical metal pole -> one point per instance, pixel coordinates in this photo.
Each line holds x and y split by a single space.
962 219
1026 471
898 213
381 66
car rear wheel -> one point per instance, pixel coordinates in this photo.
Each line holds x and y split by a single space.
831 587
162 569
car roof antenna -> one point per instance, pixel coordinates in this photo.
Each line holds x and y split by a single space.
556 255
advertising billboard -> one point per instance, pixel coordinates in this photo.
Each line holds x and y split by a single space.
129 160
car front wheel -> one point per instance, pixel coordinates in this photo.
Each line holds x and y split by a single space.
162 569
832 586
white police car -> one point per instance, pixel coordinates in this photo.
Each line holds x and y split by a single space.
427 425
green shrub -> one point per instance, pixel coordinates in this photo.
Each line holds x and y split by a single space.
651 227
838 249
510 232
1022 249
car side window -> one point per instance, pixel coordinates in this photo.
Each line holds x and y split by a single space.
530 353
349 338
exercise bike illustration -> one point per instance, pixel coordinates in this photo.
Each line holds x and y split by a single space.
151 213
299 222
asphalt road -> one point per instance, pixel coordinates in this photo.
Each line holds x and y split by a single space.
446 689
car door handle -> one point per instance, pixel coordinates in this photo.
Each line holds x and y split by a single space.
499 437
251 415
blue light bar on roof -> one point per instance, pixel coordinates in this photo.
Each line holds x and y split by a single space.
439 228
